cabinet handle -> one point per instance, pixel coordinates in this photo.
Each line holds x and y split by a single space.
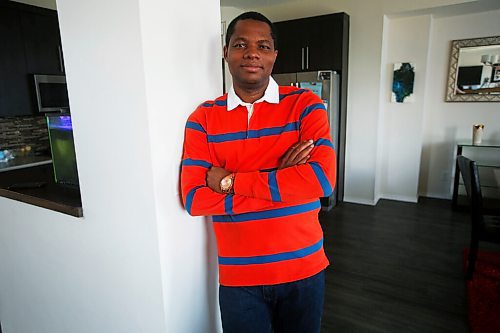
61 64
302 58
307 57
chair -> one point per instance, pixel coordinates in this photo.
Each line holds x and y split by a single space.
483 227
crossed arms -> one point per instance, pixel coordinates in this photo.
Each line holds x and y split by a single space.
306 171
295 155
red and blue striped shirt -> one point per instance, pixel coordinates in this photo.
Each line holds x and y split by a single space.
268 230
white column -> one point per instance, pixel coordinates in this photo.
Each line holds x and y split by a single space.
182 66
136 262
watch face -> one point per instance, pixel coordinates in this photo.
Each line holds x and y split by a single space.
226 183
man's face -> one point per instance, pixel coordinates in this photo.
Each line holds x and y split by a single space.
250 54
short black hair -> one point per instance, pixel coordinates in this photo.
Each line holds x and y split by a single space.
252 16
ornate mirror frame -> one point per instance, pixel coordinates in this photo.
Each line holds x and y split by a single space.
456 45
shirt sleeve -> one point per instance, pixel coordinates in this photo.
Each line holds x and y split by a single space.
197 197
314 179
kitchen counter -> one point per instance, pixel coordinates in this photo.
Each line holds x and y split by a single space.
21 162
52 196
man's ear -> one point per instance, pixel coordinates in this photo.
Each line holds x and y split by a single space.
225 52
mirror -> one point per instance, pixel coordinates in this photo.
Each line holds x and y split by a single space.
474 74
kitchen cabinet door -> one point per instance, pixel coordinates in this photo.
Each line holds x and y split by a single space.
15 98
42 43
313 43
290 41
330 52
324 43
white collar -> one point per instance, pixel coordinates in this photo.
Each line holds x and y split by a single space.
271 95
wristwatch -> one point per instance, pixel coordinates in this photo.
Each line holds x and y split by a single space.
226 183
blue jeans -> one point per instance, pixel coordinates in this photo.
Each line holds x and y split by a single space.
282 308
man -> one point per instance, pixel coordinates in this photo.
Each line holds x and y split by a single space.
257 160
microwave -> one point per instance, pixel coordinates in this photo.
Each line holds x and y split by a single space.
51 93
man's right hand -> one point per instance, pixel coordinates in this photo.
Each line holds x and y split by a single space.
297 154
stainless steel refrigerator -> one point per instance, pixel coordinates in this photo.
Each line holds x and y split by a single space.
326 85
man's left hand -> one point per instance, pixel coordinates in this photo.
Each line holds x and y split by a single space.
214 176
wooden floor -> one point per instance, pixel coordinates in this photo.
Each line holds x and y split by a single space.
396 267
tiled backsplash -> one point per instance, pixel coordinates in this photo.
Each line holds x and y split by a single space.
18 132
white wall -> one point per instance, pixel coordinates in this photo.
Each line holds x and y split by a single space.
446 123
136 262
405 40
417 141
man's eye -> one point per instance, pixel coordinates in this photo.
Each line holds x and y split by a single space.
239 45
265 47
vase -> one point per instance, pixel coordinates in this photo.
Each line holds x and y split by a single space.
477 133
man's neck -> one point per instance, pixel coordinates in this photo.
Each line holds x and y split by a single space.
251 93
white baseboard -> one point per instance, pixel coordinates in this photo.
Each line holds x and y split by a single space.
437 196
359 201
405 198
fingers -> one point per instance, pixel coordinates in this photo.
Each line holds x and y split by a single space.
304 151
300 151
297 154
304 160
289 152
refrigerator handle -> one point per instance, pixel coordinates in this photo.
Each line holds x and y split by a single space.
302 58
307 57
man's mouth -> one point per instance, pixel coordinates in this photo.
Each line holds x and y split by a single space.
251 67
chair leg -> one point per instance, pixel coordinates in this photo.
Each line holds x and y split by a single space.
472 258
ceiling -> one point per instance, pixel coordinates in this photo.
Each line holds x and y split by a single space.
476 6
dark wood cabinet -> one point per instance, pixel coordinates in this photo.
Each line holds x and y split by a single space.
15 99
290 56
29 44
313 43
42 43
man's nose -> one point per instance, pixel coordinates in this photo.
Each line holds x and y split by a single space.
252 52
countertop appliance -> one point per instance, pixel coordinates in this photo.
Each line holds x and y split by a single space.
325 84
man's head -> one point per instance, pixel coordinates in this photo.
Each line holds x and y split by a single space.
252 16
250 50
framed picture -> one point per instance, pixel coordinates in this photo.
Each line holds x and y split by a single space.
403 81
495 73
